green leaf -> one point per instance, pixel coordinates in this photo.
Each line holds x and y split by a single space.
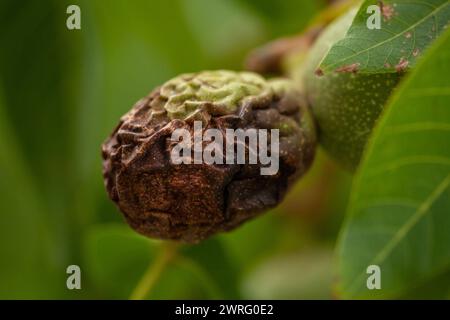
24 238
407 29
246 253
116 258
303 275
284 17
40 107
238 31
436 288
212 257
399 216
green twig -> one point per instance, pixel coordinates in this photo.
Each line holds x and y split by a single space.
154 271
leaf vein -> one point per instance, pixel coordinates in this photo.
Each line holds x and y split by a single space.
405 229
428 16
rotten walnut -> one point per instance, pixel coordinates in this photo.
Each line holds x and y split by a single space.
190 202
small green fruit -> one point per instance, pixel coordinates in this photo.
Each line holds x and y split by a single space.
345 104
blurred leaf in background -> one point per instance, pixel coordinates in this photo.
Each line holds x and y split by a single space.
304 275
37 109
285 17
24 237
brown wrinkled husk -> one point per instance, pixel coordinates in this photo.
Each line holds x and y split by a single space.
190 202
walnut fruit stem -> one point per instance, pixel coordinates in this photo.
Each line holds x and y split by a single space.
155 269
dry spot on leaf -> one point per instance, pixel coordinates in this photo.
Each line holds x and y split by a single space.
416 52
402 65
351 68
319 72
387 11
408 35
387 65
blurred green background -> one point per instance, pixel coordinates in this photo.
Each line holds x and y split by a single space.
62 92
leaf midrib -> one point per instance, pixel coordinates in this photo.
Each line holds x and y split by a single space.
404 230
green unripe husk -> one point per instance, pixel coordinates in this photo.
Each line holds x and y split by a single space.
346 105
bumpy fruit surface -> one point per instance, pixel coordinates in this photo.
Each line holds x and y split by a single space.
190 202
345 104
